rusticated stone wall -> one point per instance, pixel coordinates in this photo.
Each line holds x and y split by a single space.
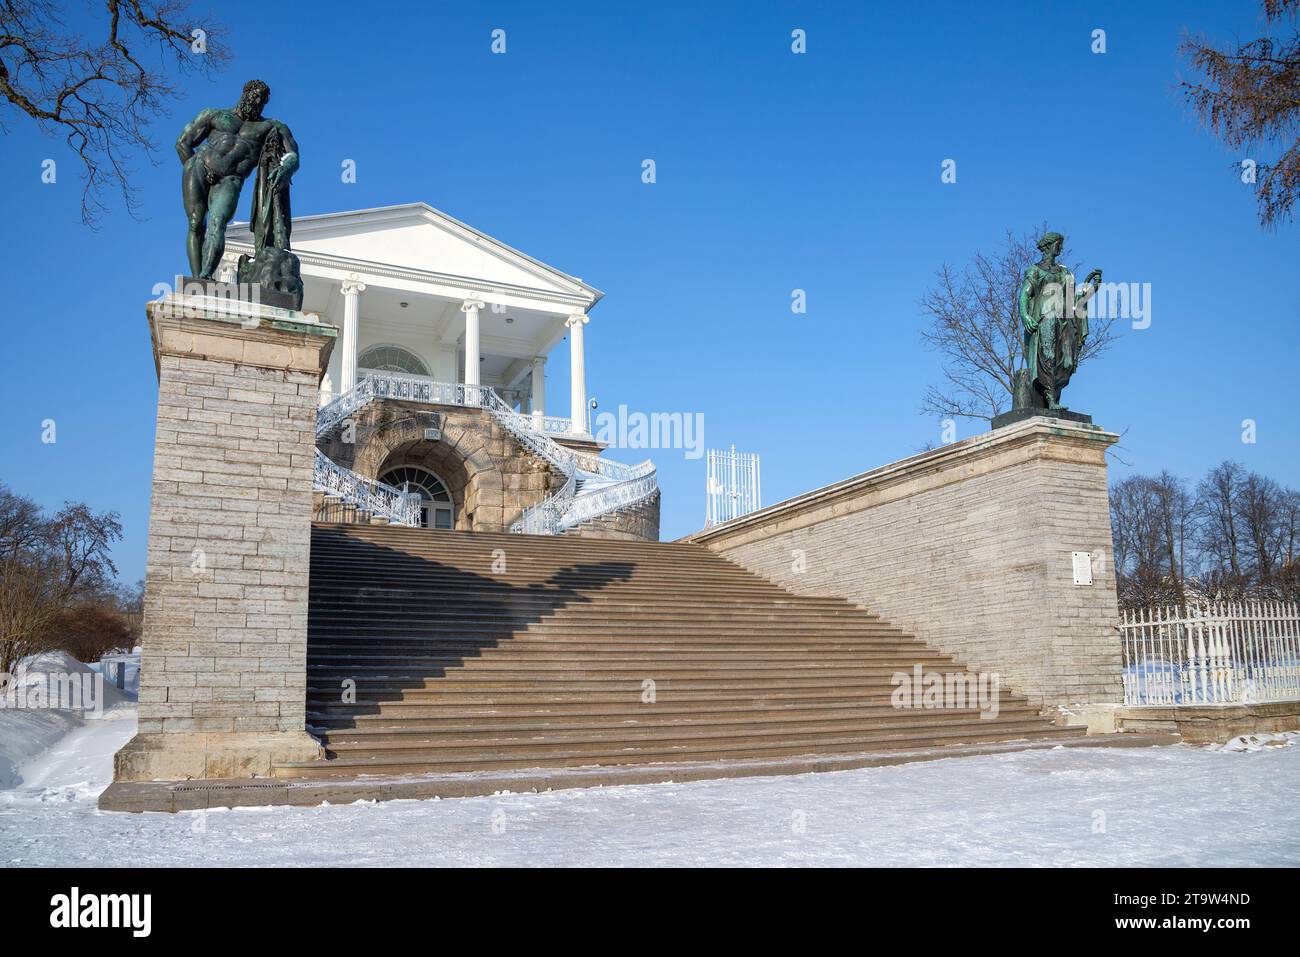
492 479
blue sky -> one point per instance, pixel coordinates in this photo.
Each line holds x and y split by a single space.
775 172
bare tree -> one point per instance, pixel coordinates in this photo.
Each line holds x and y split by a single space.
1151 522
92 628
1261 507
45 564
1250 98
1175 511
1236 538
1290 527
1218 502
973 322
101 93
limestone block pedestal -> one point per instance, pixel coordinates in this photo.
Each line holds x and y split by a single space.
223 666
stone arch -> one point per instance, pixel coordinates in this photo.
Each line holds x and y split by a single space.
461 458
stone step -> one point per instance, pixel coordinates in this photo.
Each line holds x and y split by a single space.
579 643
399 674
559 657
440 702
432 762
501 743
466 608
456 669
560 584
473 720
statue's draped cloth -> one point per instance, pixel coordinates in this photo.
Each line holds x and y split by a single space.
271 218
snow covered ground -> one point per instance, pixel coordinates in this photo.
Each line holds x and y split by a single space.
27 734
1169 806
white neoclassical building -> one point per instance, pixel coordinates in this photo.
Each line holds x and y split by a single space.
416 291
436 388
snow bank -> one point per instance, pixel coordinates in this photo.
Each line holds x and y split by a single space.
1258 742
28 733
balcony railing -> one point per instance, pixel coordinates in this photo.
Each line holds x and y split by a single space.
413 388
554 424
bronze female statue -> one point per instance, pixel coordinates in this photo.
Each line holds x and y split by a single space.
1055 320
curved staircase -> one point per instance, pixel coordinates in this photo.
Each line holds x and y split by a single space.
594 486
578 653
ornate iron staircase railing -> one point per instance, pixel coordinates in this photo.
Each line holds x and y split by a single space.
611 485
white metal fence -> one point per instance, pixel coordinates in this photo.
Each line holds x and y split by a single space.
732 485
1214 653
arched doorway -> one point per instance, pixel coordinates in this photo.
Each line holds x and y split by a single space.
436 507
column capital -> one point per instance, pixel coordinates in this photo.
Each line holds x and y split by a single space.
538 361
352 286
228 269
577 318
473 303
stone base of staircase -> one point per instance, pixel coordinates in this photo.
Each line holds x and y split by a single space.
147 757
173 796
445 664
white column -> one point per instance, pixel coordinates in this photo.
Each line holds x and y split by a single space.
577 373
471 309
228 271
352 290
537 395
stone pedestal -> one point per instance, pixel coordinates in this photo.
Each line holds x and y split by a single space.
1021 415
971 547
223 666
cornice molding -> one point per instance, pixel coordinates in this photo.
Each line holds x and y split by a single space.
947 464
468 285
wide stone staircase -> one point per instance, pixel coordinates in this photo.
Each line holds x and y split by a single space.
450 652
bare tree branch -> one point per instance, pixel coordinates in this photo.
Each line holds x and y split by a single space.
102 95
1250 98
46 564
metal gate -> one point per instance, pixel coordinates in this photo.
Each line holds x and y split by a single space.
732 485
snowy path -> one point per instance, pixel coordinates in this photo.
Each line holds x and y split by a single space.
27 735
1161 806
77 767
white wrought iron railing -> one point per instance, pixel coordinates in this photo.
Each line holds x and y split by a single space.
400 508
615 485
553 424
1215 653
608 498
547 516
393 385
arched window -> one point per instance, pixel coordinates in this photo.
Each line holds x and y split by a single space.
436 508
389 358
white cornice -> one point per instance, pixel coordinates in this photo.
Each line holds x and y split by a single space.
305 226
562 301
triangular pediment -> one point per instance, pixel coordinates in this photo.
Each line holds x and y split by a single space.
417 236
